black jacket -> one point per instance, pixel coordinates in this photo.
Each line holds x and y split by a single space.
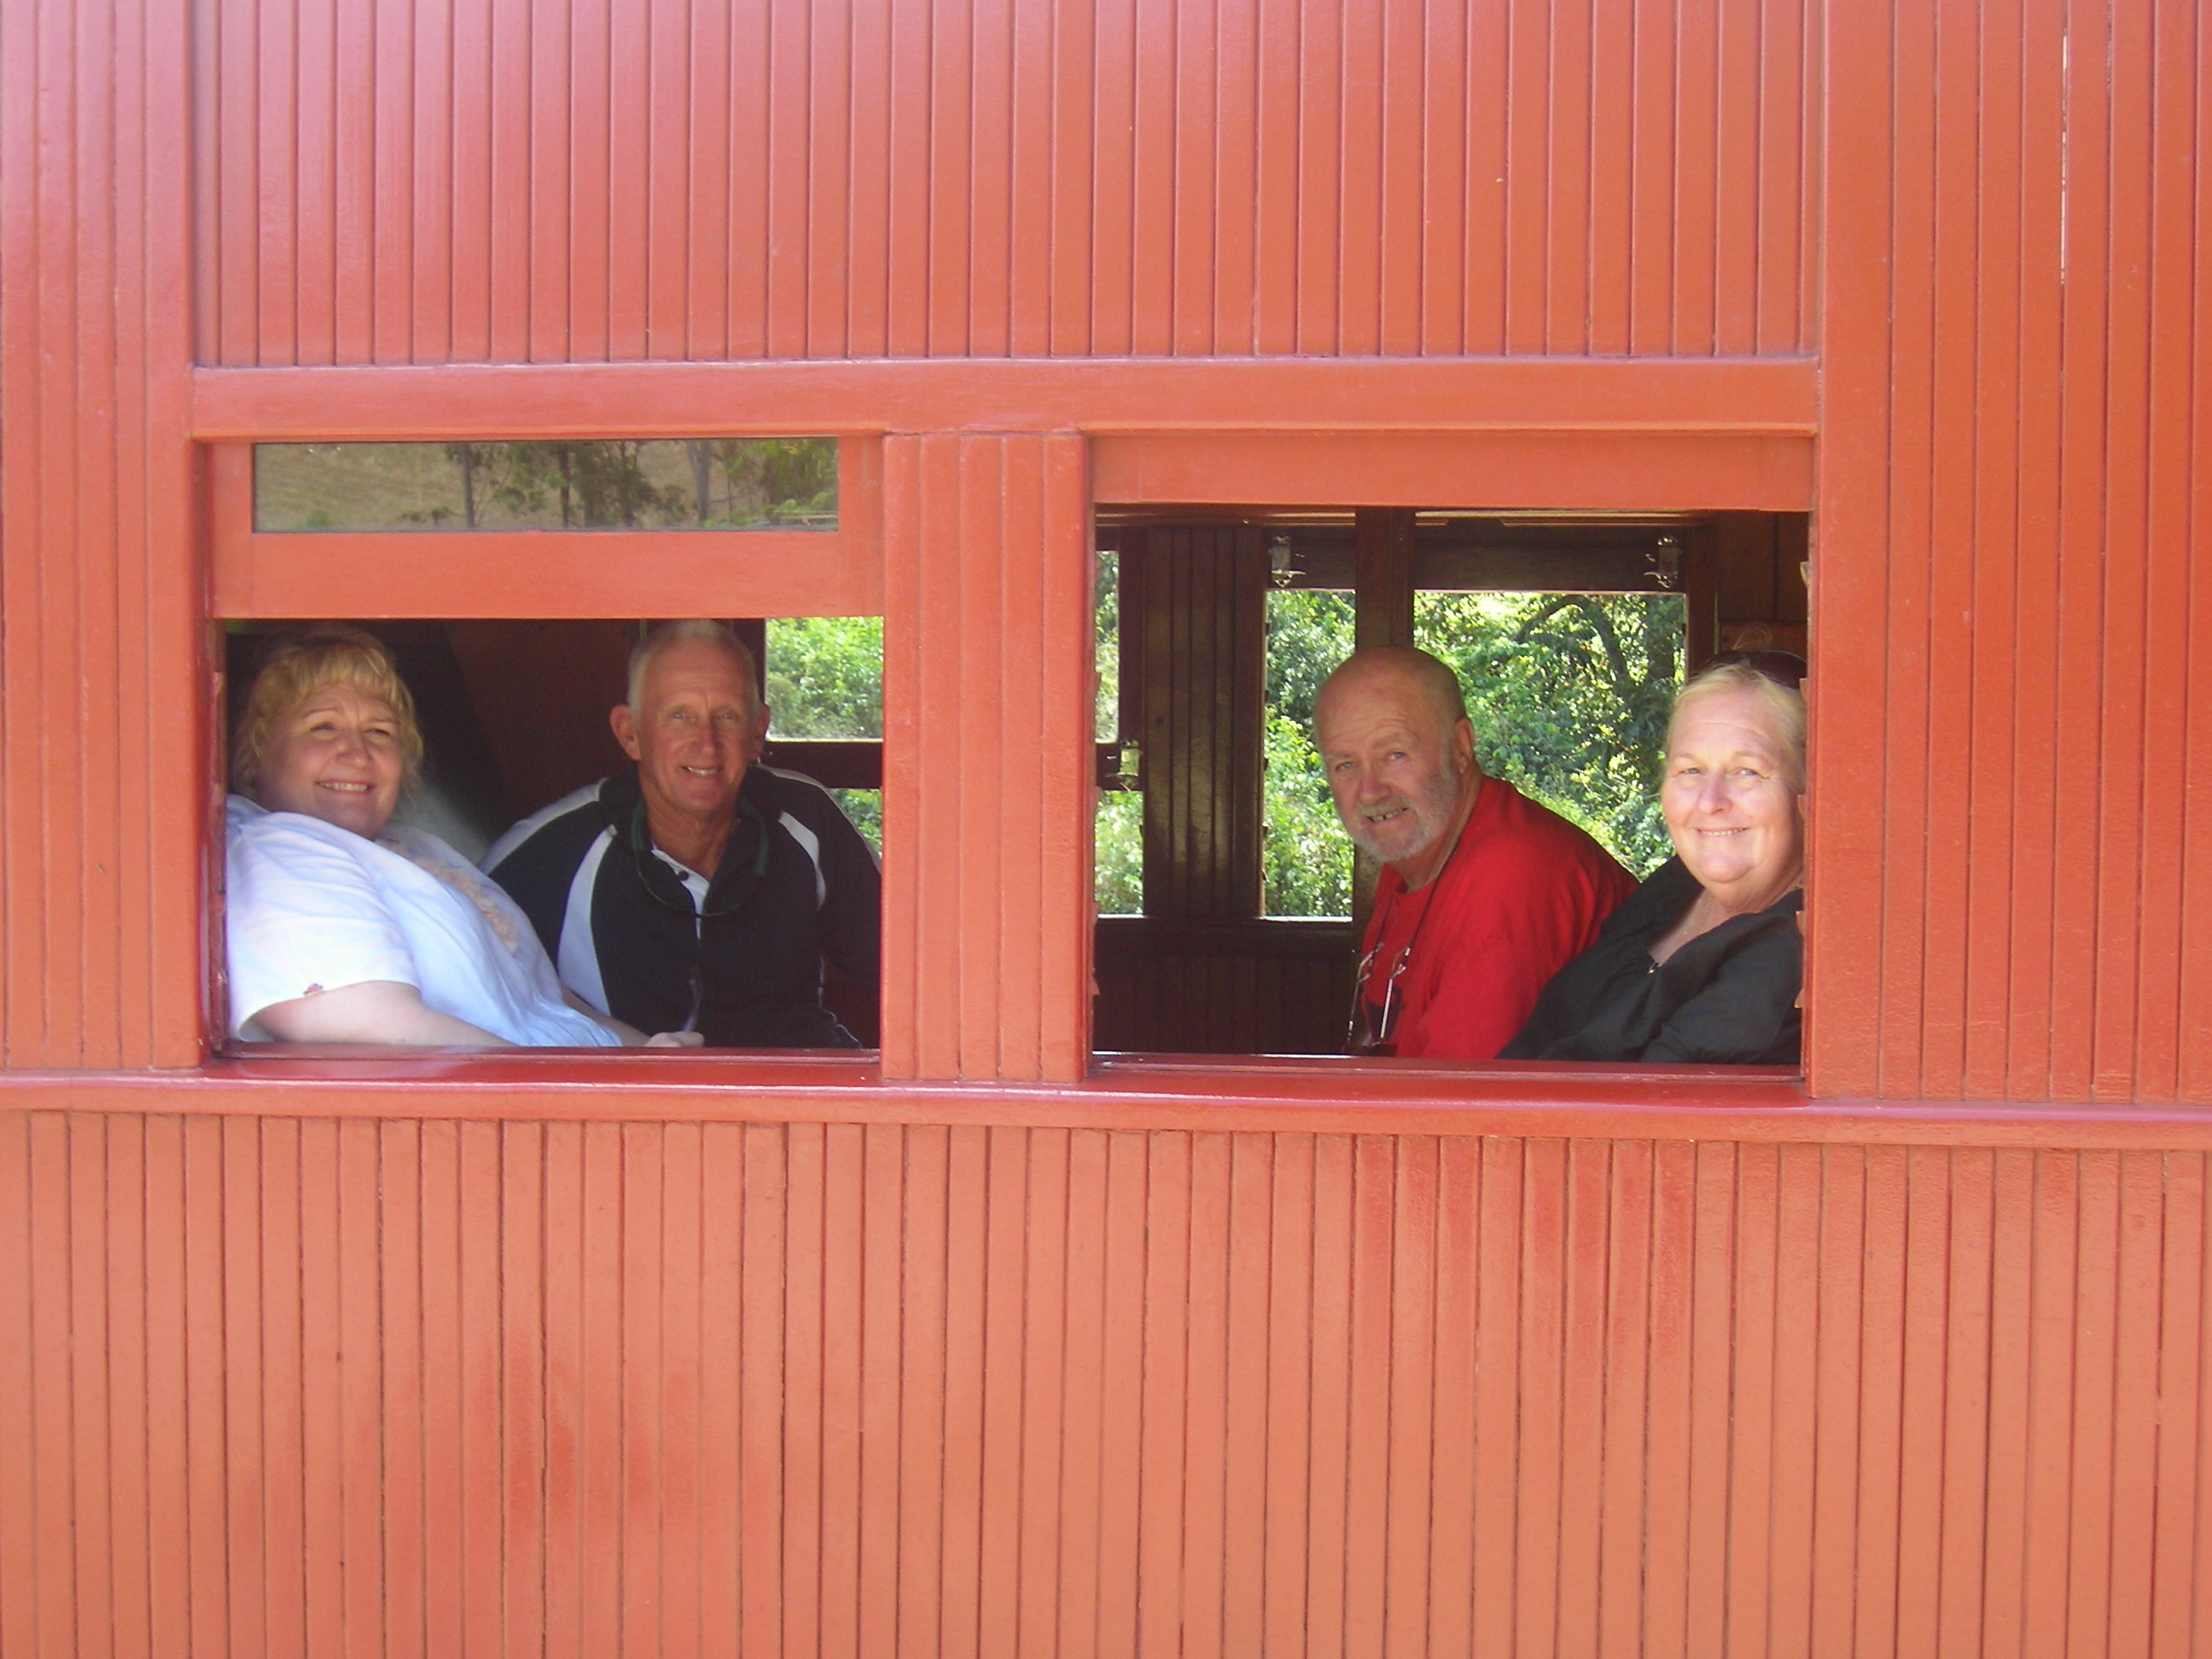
1729 996
797 884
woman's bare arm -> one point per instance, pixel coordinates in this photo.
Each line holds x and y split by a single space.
374 1011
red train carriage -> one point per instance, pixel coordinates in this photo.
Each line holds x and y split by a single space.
1062 1327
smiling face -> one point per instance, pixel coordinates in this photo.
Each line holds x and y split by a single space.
694 730
1401 766
1731 800
336 757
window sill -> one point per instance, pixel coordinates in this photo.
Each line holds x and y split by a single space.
1244 1094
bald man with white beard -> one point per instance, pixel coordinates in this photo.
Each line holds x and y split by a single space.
1484 895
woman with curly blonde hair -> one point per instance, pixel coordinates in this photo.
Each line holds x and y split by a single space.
344 924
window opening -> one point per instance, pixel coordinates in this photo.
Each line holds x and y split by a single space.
607 484
514 717
1229 895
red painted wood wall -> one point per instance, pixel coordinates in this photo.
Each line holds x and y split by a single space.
985 1349
313 1384
469 181
2015 836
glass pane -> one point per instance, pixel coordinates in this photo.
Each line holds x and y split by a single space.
825 677
1121 853
1306 864
605 484
1570 693
865 808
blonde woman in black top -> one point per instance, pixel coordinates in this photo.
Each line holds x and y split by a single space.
1704 960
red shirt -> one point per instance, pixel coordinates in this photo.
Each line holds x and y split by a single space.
1521 897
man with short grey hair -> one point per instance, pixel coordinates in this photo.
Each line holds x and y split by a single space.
700 890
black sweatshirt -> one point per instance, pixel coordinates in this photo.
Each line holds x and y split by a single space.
1727 996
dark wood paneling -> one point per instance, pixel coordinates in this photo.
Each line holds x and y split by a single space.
542 692
1701 600
835 763
1193 631
1267 988
1221 1005
1762 598
1382 575
1745 545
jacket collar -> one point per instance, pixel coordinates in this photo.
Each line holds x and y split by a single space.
745 856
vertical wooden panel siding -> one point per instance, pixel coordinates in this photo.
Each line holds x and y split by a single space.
390 182
306 1387
987 717
100 699
2013 886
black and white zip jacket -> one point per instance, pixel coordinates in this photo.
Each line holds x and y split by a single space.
738 958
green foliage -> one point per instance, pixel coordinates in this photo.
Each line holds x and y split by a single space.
1106 640
778 480
1569 693
633 483
1306 862
825 677
1118 837
865 808
1121 853
1309 631
600 483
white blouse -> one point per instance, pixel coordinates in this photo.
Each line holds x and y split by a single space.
311 906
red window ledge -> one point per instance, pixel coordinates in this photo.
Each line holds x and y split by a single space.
1248 1095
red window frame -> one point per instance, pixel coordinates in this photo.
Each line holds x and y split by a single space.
1687 435
567 575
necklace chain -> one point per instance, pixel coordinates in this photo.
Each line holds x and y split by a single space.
1406 955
